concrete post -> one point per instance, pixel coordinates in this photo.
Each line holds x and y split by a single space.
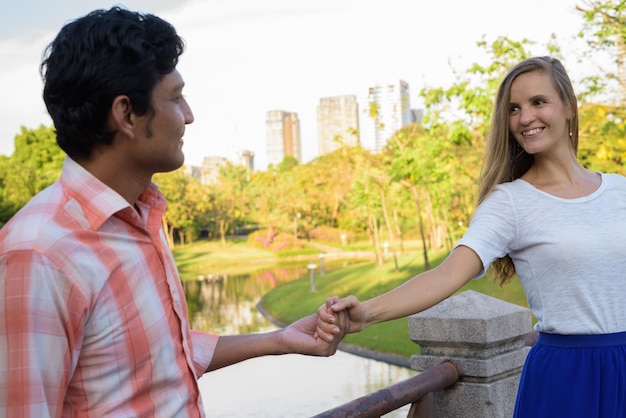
485 336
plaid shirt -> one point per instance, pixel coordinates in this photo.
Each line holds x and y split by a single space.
93 318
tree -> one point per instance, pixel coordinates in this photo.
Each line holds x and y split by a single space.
604 28
230 201
188 202
36 163
602 138
326 182
365 200
418 161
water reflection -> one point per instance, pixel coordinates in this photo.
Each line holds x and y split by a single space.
282 386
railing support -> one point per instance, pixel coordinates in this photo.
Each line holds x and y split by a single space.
484 334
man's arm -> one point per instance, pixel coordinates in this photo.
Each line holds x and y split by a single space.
297 338
36 310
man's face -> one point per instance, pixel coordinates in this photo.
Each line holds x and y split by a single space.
160 134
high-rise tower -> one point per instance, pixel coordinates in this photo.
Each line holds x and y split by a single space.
283 136
387 110
337 123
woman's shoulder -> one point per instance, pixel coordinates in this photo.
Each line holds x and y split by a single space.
612 181
517 187
614 178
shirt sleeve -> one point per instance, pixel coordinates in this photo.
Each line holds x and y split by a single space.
203 349
493 230
40 332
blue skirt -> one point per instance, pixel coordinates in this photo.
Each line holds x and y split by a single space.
571 376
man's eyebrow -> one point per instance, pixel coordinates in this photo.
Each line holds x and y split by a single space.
179 86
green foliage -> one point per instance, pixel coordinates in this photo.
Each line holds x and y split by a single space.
230 201
36 163
603 25
188 204
604 29
602 141
287 164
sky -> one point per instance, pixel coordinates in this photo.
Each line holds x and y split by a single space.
246 57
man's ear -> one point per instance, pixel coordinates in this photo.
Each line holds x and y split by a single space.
122 118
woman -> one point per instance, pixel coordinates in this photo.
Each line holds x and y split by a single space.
560 228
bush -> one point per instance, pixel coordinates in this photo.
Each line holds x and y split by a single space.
333 235
276 242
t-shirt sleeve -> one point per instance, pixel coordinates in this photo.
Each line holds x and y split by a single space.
492 231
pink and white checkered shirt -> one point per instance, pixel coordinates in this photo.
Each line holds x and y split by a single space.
93 318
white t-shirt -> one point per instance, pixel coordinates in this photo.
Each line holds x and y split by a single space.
570 254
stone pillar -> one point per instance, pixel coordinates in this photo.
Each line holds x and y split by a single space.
485 336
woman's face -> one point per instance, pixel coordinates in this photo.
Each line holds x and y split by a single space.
538 118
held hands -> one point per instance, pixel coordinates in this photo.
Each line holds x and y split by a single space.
320 334
301 336
330 323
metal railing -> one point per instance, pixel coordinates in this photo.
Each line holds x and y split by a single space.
417 391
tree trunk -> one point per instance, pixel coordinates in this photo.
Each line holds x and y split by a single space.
398 229
379 255
392 243
416 198
169 233
222 224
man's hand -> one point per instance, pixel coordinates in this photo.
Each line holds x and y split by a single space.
302 338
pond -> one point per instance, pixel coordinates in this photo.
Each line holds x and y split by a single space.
275 386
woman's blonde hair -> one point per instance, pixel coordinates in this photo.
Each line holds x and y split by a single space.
505 160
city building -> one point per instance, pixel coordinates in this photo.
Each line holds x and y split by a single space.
246 159
210 169
283 136
337 123
387 110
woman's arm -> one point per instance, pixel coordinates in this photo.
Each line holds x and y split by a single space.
415 295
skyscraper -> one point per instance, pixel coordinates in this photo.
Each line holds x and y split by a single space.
283 136
246 159
337 123
387 110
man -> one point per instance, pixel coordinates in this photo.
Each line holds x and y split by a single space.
93 316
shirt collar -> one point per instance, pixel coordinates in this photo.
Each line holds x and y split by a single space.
99 202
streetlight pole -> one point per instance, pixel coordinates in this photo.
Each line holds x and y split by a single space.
312 267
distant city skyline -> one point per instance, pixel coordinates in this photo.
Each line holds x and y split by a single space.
341 121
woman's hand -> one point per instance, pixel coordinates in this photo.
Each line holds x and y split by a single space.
327 317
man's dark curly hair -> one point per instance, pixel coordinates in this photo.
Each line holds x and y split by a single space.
96 58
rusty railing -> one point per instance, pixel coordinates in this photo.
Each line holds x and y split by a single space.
417 391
